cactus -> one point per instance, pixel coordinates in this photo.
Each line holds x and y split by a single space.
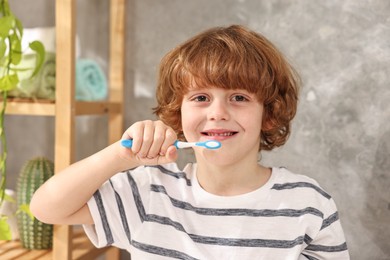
33 233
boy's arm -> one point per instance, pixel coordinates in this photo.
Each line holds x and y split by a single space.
63 198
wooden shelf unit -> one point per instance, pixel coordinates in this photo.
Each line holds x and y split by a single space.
45 108
67 243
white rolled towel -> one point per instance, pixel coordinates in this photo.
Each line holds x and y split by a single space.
46 35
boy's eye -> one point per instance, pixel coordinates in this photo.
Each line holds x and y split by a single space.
201 98
239 98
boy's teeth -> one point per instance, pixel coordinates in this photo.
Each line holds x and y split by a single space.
220 134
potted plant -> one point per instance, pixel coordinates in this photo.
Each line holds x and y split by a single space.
11 33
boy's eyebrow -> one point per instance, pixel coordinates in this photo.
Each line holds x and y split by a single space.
191 90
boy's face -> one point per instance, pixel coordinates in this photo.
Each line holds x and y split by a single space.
232 117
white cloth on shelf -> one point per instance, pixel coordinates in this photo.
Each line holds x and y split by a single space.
46 35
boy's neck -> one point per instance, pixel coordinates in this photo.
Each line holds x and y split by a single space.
234 179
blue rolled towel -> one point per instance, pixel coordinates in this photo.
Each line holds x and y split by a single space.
91 83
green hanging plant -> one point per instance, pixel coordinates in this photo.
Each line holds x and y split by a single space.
11 33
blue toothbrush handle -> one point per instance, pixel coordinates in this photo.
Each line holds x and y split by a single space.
127 143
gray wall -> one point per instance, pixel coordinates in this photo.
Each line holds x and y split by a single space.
341 135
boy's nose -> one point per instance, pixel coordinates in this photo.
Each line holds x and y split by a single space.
218 111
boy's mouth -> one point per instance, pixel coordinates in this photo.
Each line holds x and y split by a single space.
217 133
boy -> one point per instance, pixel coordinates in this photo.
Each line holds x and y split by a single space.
226 84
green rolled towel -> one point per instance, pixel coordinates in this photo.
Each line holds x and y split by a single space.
40 86
47 78
91 83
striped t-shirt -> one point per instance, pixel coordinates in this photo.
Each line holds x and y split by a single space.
161 212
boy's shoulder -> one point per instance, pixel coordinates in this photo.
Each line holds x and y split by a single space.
284 174
159 172
287 181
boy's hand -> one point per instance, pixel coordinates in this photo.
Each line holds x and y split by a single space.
152 143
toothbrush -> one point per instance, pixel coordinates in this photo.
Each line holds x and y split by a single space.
211 144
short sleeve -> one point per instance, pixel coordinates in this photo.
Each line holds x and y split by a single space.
329 243
109 213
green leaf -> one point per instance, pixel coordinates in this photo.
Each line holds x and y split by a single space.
5 231
16 49
6 10
6 24
8 82
39 49
3 48
26 209
19 26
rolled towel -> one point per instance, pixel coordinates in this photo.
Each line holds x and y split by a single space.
40 86
46 35
91 83
46 78
27 87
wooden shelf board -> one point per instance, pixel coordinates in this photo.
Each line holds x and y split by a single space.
97 108
30 107
47 108
82 250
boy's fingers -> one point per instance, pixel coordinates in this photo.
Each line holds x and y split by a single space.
147 138
169 138
151 140
171 154
135 133
158 139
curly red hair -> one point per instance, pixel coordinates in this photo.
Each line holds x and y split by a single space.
231 58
